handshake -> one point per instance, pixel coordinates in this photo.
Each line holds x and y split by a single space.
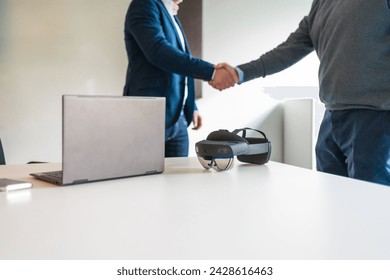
225 77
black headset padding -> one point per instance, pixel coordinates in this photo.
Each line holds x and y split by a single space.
256 158
225 135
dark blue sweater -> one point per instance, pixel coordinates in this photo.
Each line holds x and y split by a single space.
352 41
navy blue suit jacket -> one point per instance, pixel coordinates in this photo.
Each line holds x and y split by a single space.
157 63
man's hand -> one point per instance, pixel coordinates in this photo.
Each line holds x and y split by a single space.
225 77
197 121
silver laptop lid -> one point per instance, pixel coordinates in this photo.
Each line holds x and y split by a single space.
106 137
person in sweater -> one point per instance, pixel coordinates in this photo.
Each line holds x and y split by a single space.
352 41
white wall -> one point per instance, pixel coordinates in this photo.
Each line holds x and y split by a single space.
240 31
49 48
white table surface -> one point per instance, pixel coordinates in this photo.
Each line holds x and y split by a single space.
274 211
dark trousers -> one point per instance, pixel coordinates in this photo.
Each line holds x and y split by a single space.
176 139
355 143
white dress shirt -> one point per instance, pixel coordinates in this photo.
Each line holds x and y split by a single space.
169 6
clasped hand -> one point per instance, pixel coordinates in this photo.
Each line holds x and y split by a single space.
225 77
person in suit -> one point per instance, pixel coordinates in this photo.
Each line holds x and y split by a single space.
160 64
351 39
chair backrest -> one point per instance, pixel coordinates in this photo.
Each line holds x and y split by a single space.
2 158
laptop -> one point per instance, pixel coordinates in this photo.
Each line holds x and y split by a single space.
109 137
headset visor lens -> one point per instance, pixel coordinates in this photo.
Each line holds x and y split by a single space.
219 164
206 163
223 164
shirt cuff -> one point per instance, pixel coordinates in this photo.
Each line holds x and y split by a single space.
212 77
240 75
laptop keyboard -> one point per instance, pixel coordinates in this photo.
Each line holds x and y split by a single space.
55 175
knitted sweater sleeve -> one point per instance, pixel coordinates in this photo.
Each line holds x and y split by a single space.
296 47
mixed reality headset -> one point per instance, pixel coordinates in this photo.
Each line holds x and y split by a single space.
221 146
